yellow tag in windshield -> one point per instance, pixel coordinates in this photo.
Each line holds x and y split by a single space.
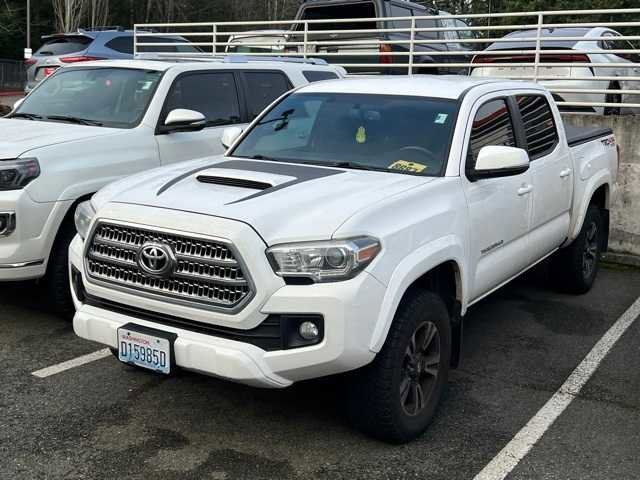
408 166
361 135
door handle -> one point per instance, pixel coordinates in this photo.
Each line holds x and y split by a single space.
525 190
565 173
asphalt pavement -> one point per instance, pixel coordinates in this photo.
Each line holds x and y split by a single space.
106 420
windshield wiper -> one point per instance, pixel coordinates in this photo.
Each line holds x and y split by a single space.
79 121
263 157
354 166
28 116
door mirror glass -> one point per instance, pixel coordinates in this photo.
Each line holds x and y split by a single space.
500 161
183 120
230 135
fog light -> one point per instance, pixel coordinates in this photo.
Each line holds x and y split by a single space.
308 330
7 223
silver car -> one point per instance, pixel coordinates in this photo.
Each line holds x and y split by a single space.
88 45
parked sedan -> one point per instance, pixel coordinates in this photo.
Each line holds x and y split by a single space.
88 45
581 76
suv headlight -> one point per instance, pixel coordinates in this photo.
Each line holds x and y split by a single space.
327 261
83 216
16 174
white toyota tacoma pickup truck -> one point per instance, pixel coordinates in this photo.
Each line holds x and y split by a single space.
89 125
348 229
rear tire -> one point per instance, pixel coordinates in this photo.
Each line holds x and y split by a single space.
56 280
613 98
575 267
395 397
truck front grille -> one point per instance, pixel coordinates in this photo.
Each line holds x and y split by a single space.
203 272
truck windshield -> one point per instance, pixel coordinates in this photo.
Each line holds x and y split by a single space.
393 133
110 97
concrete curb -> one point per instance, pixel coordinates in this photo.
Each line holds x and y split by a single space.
622 259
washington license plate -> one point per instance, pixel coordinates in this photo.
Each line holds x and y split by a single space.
144 349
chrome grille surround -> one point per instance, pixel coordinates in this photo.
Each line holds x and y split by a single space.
209 272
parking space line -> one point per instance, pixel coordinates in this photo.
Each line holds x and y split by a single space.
509 457
69 364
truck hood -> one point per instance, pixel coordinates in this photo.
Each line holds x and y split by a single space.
282 201
20 136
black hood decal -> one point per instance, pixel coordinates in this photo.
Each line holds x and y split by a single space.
302 173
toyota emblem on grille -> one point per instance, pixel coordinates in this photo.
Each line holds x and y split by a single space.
156 259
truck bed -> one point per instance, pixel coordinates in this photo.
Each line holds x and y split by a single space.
579 135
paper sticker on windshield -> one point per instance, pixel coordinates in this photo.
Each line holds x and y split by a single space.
361 135
146 85
408 166
441 118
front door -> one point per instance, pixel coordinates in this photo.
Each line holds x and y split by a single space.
215 94
499 208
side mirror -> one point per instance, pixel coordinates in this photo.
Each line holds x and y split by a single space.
230 135
183 120
17 104
499 161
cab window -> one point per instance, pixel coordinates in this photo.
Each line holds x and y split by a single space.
492 125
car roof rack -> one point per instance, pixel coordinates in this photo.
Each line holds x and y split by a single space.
199 57
105 28
253 58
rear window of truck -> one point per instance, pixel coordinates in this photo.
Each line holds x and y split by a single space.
332 12
539 128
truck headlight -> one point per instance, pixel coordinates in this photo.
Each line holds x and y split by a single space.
83 216
16 174
326 261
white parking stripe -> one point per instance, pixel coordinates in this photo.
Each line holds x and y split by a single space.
525 439
75 362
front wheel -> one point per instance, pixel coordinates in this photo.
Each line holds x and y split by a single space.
56 281
575 267
395 397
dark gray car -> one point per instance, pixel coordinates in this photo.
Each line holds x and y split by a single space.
355 50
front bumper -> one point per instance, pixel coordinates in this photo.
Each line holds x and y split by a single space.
349 310
23 253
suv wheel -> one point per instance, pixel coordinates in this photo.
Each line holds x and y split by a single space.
56 281
396 396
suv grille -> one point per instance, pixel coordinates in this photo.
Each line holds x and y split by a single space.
204 272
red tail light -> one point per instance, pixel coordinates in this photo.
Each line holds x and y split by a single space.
82 58
49 71
29 62
385 49
531 58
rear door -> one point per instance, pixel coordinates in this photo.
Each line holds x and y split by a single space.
263 87
218 96
551 170
499 208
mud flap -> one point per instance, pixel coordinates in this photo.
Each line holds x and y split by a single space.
457 327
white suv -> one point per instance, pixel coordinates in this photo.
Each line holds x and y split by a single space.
89 125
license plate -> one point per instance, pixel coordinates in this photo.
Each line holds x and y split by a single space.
146 348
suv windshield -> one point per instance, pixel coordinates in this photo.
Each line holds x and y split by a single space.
392 133
111 97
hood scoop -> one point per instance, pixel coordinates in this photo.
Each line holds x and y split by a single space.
234 182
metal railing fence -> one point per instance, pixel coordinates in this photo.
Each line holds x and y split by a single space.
12 75
588 66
